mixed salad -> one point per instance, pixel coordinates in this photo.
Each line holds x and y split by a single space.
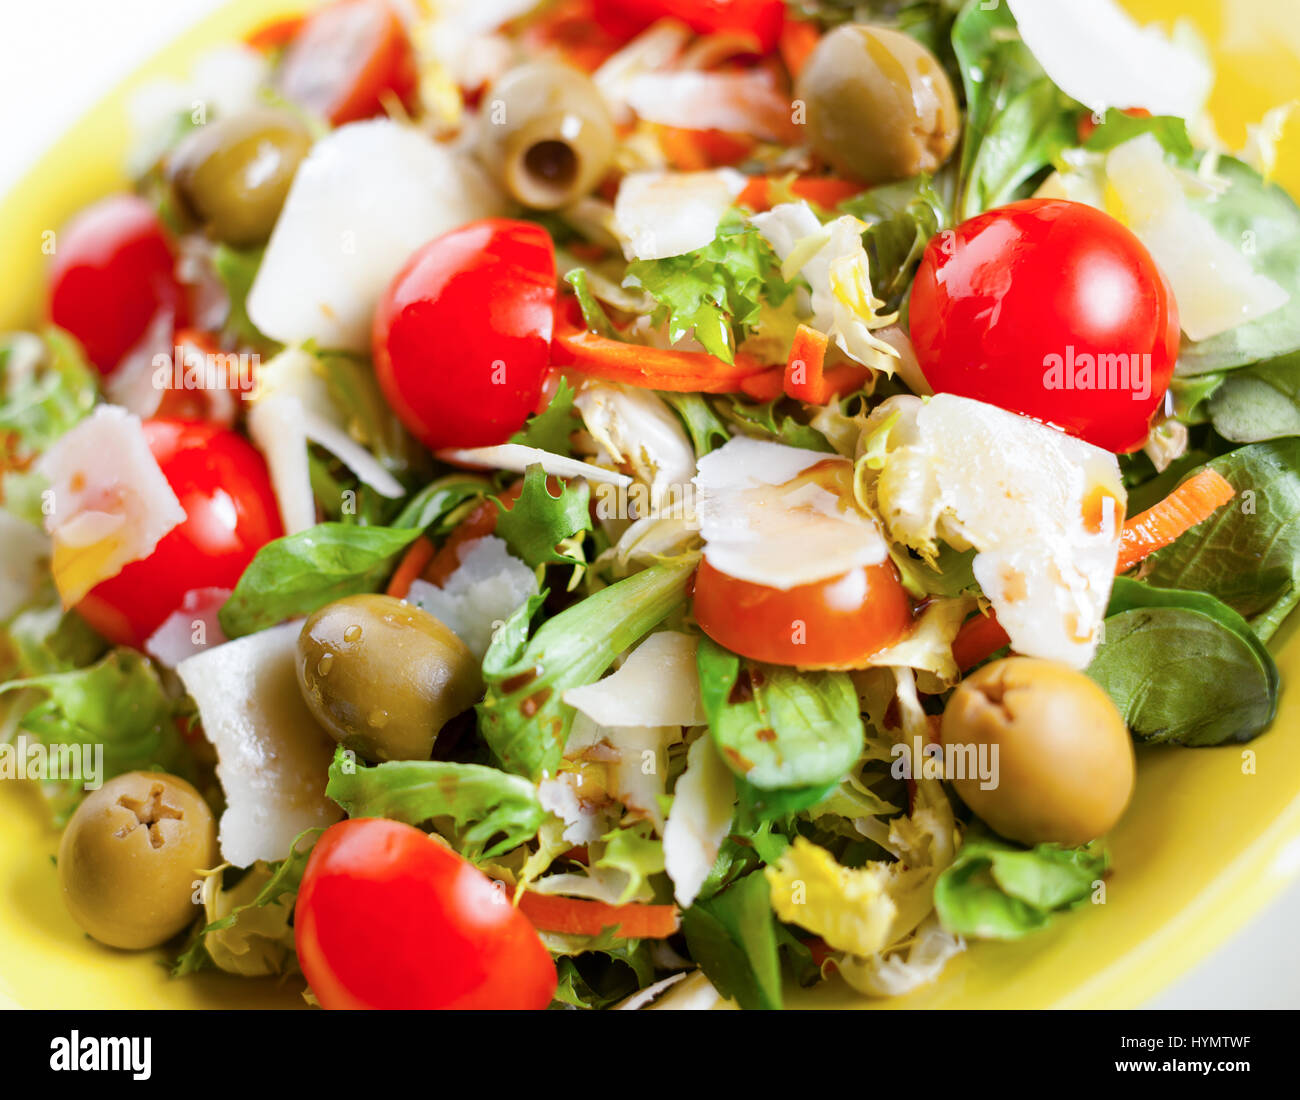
644 503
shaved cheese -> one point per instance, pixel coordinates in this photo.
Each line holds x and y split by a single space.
1096 52
112 504
660 214
367 196
695 993
657 685
744 102
275 426
635 426
1213 283
272 757
653 49
585 820
606 884
699 820
517 457
781 516
481 593
643 997
1043 509
635 760
24 563
190 629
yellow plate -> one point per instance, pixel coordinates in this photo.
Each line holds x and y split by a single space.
1210 838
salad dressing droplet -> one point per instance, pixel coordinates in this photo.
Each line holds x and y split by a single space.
324 664
352 634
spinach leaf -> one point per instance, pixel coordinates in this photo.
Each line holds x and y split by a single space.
522 717
1248 553
535 525
1264 221
733 936
47 639
352 386
492 810
995 890
1184 668
1260 402
297 574
1017 120
780 729
1118 127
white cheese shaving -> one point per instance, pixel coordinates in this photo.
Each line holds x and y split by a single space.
661 214
699 820
517 457
657 685
190 629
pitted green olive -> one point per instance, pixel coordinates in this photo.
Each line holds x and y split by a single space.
384 677
131 855
1064 769
547 134
879 105
233 174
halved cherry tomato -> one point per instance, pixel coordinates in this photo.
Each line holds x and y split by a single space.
833 623
230 514
113 272
761 18
388 918
347 58
462 335
1051 309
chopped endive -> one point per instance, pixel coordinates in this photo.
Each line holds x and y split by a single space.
1043 510
111 503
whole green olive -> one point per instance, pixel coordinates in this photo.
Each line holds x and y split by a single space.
879 105
1064 769
233 174
383 677
130 858
547 134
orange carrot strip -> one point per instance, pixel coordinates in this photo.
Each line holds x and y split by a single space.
824 191
764 387
417 556
697 150
653 368
797 42
579 917
804 380
1193 502
277 33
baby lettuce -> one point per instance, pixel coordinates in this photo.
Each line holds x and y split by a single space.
995 890
735 938
535 525
1183 668
493 812
1257 403
522 717
550 429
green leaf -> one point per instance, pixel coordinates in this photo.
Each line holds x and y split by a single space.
717 290
493 811
771 421
1117 127
1017 120
297 574
1248 553
634 852
119 703
48 639
1184 668
537 522
522 717
592 311
702 424
780 729
733 938
1260 402
901 218
996 890
353 388
439 506
237 270
550 429
46 387
1264 221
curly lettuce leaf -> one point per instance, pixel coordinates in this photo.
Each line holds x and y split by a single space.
550 429
537 523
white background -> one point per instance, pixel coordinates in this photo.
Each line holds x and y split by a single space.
56 56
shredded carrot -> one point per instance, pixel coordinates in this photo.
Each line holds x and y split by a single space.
766 386
579 917
824 191
480 523
804 379
797 42
1193 502
277 33
698 150
417 556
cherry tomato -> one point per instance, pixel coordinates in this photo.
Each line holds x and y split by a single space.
833 623
1051 309
221 376
113 272
761 18
347 58
389 918
462 335
230 513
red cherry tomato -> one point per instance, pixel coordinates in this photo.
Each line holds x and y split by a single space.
221 376
389 918
113 272
230 513
761 18
1051 309
347 58
833 623
462 335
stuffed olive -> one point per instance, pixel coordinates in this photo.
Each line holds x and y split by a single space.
547 134
233 174
130 858
383 677
1065 766
879 105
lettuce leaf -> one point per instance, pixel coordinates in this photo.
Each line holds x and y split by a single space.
46 387
537 523
493 811
550 429
733 936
